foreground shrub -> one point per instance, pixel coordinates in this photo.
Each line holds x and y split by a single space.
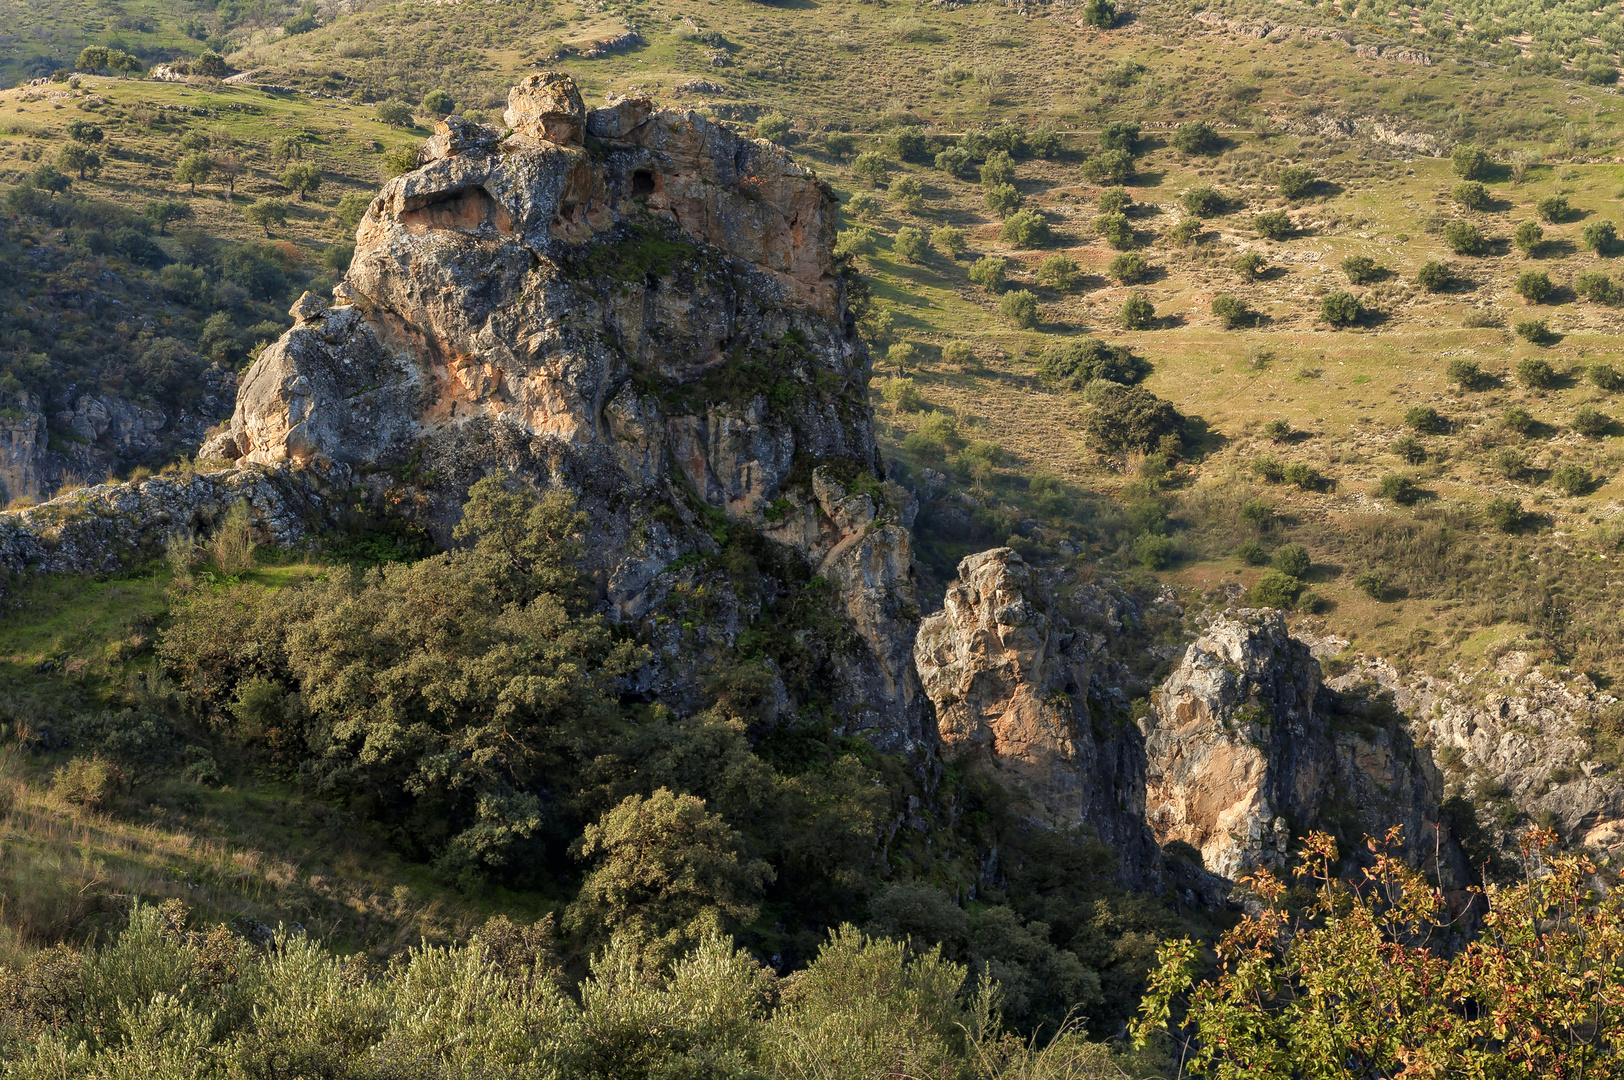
1025 228
1129 418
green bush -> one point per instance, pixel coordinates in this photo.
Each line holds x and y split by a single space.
1002 200
1072 365
1606 377
1269 469
910 244
1518 419
1250 265
1120 135
1536 373
1396 487
1025 229
1122 418
1100 13
955 160
1372 584
1058 272
1553 209
1186 231
1340 308
863 206
1590 422
1529 237
1426 420
1535 331
906 194
1115 200
1258 513
1297 182
1409 449
1275 590
774 127
1434 276
1600 237
1505 514
1572 480
1137 312
1231 312
1302 475
1511 463
1277 430
1292 559
1019 306
1196 137
395 114
1252 552
1044 143
438 103
1128 268
1203 202
1598 288
902 395
998 170
958 352
1473 195
1471 161
1464 238
838 144
1601 74
1272 225
871 165
1467 373
89 782
908 143
1154 552
1361 269
1109 167
989 272
1115 230
949 240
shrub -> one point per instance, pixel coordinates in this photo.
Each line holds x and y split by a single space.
958 352
1269 469
1434 276
1109 167
1553 209
1115 200
1606 377
1371 584
1598 288
1305 476
1196 137
1536 373
1252 552
210 65
1230 311
1044 143
1115 230
1396 487
89 782
955 160
440 103
1129 268
1275 590
1600 237
1186 231
838 144
1272 225
1137 312
1002 200
1020 307
1511 463
1464 238
1292 559
303 23
901 395
1025 228
937 433
1277 430
1528 237
863 206
1297 182
855 242
1572 480
1340 308
1505 514
1601 74
1100 13
989 272
1361 269
1471 161
395 114
1250 265
301 178
265 213
910 244
1535 331
1590 422
906 194
1466 373
1426 420
1258 513
1072 365
1008 139
1518 419
998 170
949 241
1409 449
1129 418
350 210
1533 286
1058 272
1154 552
1120 135
871 165
908 143
1203 202
1473 195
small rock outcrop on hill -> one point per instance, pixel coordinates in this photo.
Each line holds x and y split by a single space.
1247 751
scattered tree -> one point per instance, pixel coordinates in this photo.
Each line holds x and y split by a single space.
989 272
1471 161
1297 182
1600 237
1272 225
1231 312
1019 306
1534 286
79 158
1058 272
1203 202
1137 312
1361 269
194 169
1340 308
1464 238
1002 200
1528 237
267 212
910 244
439 103
395 114
1472 195
1196 137
1128 268
1434 276
301 178
1025 229
949 240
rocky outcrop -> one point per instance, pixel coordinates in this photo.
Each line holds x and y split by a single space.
1268 30
1246 752
1012 682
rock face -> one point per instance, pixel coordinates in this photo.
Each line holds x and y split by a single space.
636 304
1012 682
1246 752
